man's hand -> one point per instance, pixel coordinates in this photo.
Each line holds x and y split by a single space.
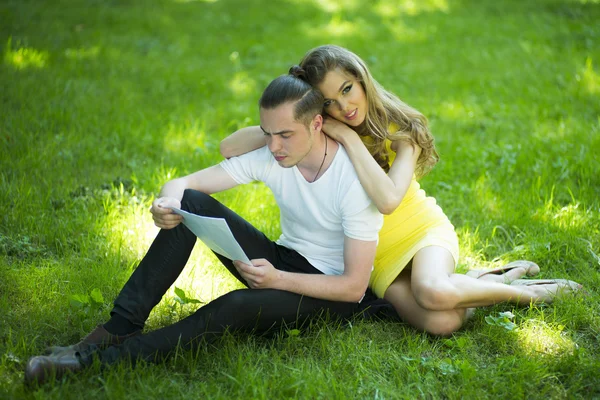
337 130
260 275
162 215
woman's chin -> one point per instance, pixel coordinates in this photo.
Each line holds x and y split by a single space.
357 123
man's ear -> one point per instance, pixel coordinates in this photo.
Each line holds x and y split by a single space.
317 123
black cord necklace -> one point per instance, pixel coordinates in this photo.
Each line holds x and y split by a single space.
322 162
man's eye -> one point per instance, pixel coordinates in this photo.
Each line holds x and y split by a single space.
346 89
285 136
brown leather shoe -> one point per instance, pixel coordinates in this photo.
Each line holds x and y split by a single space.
99 337
42 369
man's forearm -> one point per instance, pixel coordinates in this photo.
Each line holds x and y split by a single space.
350 286
209 180
327 287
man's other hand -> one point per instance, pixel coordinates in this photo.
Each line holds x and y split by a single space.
162 215
260 275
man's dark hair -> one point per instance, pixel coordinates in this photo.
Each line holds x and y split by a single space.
288 88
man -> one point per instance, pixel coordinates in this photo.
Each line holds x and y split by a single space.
321 262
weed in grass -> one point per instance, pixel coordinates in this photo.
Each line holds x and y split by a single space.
503 320
22 247
179 300
94 300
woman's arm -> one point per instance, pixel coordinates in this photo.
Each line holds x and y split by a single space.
385 190
242 141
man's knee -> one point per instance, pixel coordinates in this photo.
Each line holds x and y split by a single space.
194 200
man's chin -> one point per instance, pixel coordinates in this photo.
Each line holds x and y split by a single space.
286 162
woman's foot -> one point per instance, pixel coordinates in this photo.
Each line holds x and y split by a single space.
546 290
506 273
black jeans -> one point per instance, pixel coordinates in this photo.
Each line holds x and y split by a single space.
255 311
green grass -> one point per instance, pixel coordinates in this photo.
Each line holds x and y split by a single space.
103 101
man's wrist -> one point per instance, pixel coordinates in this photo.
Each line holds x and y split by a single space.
281 280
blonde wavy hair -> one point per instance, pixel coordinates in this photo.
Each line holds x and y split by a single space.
384 108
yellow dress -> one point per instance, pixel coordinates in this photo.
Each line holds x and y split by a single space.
418 222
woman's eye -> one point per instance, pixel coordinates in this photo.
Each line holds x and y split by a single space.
327 103
346 89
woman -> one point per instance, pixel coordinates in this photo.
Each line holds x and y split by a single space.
388 143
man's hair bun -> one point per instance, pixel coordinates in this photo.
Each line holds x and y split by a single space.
298 72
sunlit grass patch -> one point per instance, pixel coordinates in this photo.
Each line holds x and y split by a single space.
569 216
457 110
489 201
330 6
127 226
256 204
471 250
395 8
404 33
189 137
541 338
547 129
24 57
588 78
572 216
242 84
337 27
500 248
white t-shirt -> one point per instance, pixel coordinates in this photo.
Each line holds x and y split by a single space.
314 216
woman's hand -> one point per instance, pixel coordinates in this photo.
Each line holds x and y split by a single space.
337 130
162 214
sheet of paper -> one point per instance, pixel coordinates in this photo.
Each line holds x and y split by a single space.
215 233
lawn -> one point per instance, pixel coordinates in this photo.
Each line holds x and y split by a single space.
104 101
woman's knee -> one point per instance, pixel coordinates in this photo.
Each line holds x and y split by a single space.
435 294
430 279
445 323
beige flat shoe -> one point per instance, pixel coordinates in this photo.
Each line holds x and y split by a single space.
561 282
531 269
556 287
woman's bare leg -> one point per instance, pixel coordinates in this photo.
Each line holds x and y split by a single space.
442 323
436 287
